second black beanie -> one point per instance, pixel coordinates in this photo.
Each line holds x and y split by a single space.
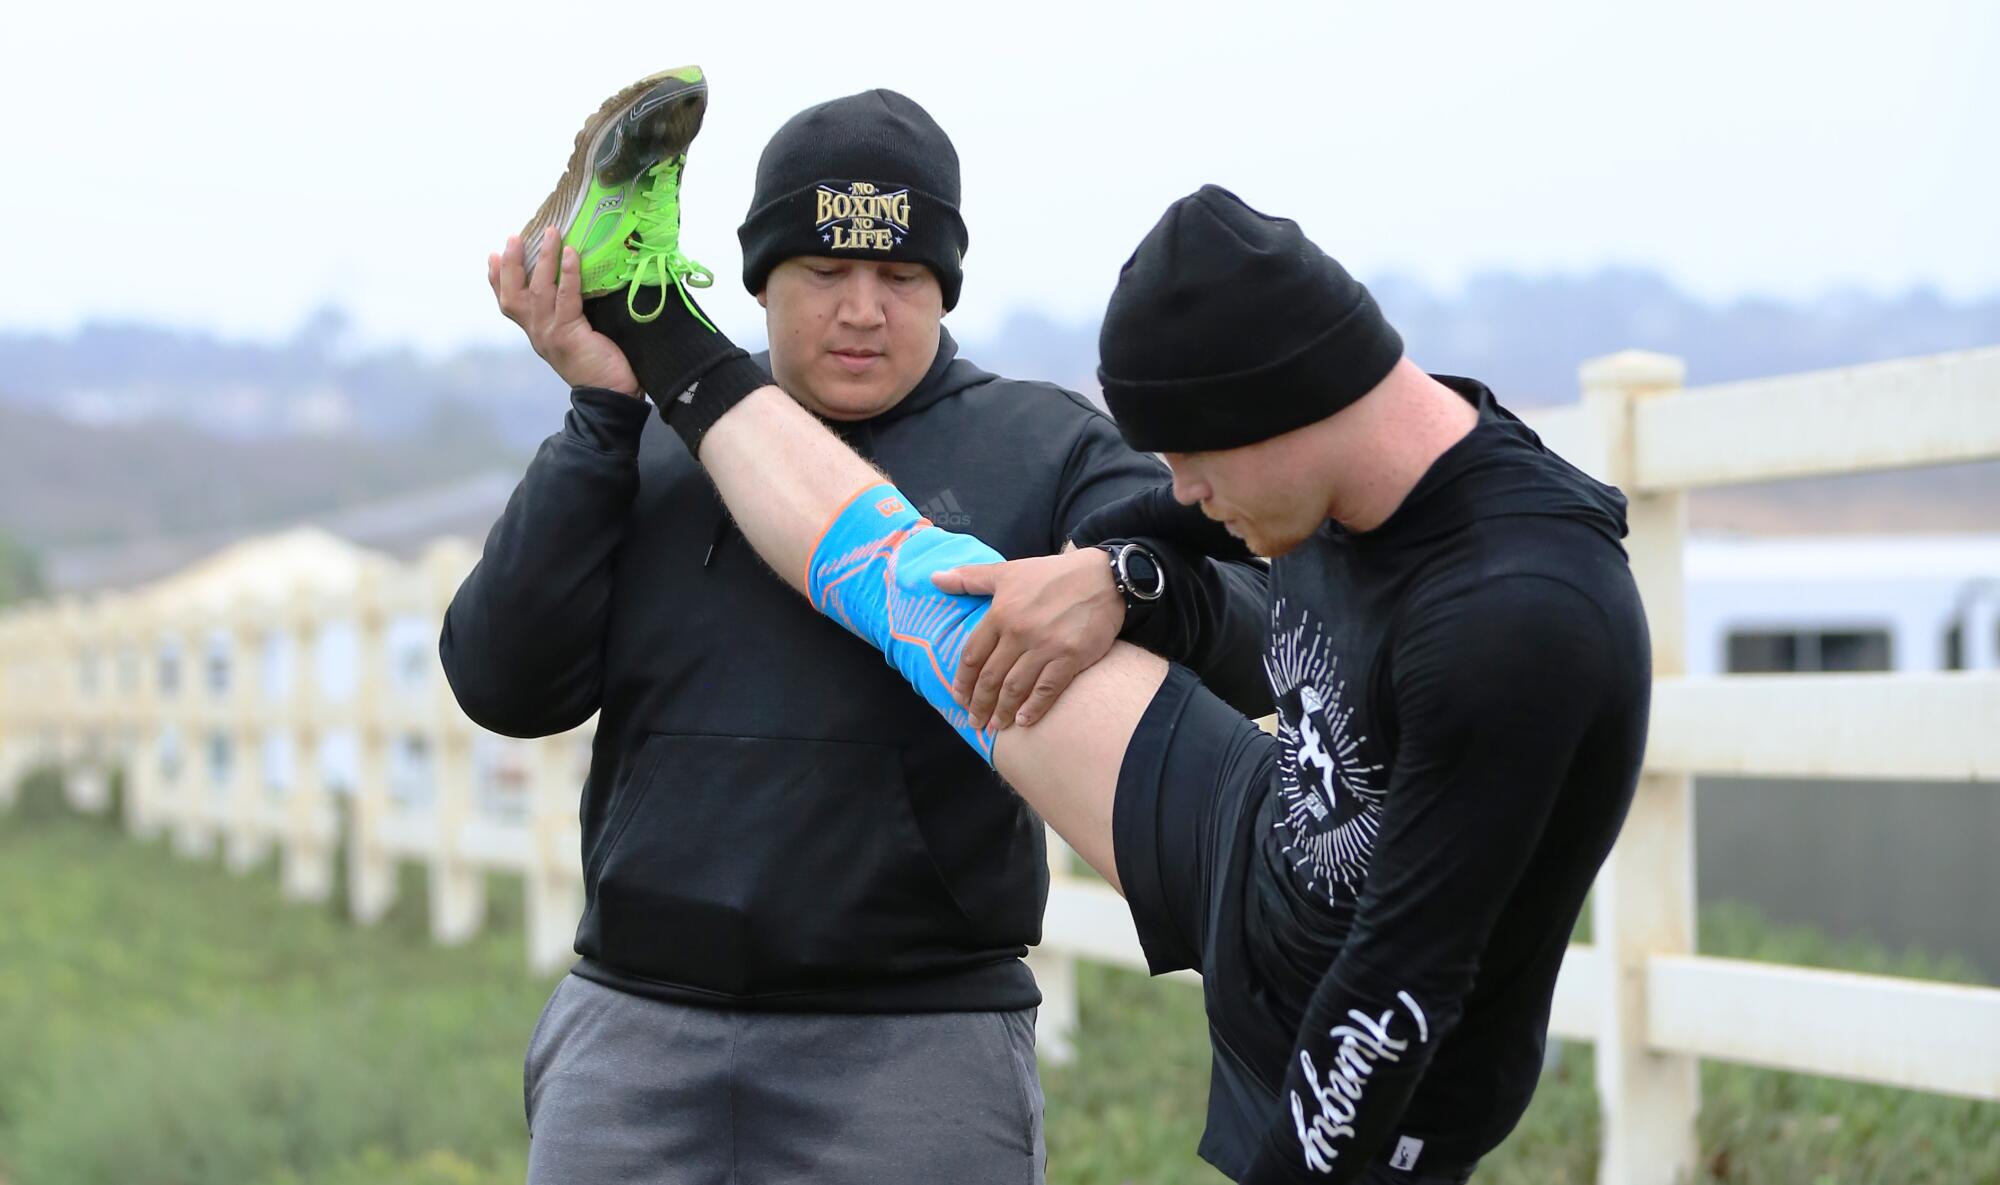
1229 327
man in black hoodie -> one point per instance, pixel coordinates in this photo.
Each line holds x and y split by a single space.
1378 898
807 904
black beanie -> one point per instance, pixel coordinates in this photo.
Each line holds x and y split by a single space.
869 176
1228 327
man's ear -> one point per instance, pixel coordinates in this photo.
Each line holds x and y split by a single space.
761 302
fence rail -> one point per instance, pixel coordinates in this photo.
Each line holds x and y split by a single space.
286 696
1913 727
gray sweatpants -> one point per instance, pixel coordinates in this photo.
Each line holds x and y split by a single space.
625 1090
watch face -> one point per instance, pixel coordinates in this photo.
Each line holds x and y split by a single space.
1142 573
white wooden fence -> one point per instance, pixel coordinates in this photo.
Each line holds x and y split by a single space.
248 696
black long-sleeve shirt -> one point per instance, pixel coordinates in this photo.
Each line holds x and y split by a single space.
1462 695
772 818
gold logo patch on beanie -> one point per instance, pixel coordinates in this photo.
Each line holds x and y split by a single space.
861 216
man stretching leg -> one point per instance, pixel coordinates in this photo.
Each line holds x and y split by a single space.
1379 898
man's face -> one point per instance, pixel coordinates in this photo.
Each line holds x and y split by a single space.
850 337
1267 494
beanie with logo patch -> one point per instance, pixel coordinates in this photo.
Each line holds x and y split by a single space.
867 176
1228 327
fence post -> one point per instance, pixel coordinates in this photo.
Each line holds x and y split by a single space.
17 731
45 648
90 784
118 700
1644 901
70 729
12 698
31 721
371 870
142 754
307 860
246 841
457 886
192 836
1055 973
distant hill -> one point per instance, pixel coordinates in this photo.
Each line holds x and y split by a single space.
67 484
314 384
125 446
1525 335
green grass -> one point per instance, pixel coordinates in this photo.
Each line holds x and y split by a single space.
163 1022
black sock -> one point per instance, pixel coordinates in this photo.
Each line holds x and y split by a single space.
694 374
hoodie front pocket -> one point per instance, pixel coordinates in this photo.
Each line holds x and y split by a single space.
618 812
747 865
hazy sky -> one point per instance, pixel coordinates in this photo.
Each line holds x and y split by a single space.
231 167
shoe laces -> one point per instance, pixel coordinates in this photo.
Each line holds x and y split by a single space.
657 260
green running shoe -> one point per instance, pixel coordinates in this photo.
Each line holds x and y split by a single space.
622 186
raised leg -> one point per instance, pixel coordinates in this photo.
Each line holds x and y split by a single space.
831 525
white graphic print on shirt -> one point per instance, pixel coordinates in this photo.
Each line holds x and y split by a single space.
1331 806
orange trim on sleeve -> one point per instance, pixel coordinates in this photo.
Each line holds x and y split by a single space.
806 584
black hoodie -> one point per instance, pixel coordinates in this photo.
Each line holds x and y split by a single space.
773 819
1462 695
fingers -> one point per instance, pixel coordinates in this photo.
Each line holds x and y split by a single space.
972 659
998 668
1016 687
542 284
1055 679
507 281
974 580
569 290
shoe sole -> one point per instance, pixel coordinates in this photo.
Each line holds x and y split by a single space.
652 120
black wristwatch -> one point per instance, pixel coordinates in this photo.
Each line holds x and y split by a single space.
1137 571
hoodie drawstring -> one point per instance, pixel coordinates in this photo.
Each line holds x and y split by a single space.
722 525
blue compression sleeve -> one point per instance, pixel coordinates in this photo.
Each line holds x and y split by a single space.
871 572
